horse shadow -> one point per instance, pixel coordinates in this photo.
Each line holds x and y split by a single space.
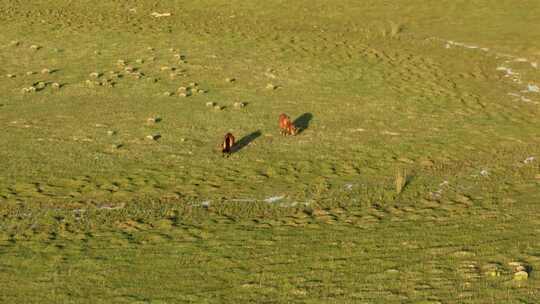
302 122
244 141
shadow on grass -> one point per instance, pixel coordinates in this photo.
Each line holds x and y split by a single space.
244 141
302 122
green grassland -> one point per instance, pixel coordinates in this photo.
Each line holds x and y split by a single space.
415 177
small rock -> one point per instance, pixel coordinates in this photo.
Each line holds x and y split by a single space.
210 104
533 88
116 146
521 276
271 86
31 89
154 119
193 84
91 83
183 94
230 79
201 91
41 85
129 69
35 47
484 173
150 48
182 89
153 136
10 76
182 139
56 85
165 68
45 71
95 75
529 159
121 62
30 73
167 93
14 43
139 61
239 104
111 132
137 75
218 107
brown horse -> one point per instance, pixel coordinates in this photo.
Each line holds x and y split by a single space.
228 143
286 126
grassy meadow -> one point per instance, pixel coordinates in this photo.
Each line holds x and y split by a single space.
415 177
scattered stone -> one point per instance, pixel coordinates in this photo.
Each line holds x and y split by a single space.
45 71
165 68
193 84
116 146
121 62
108 83
31 89
533 88
167 94
178 56
484 173
92 83
35 47
154 119
182 89
271 86
95 75
183 94
10 75
218 107
14 43
111 132
154 136
182 139
201 91
529 159
56 85
150 48
30 73
230 79
521 275
159 15
40 85
210 104
239 104
152 58
139 61
137 75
